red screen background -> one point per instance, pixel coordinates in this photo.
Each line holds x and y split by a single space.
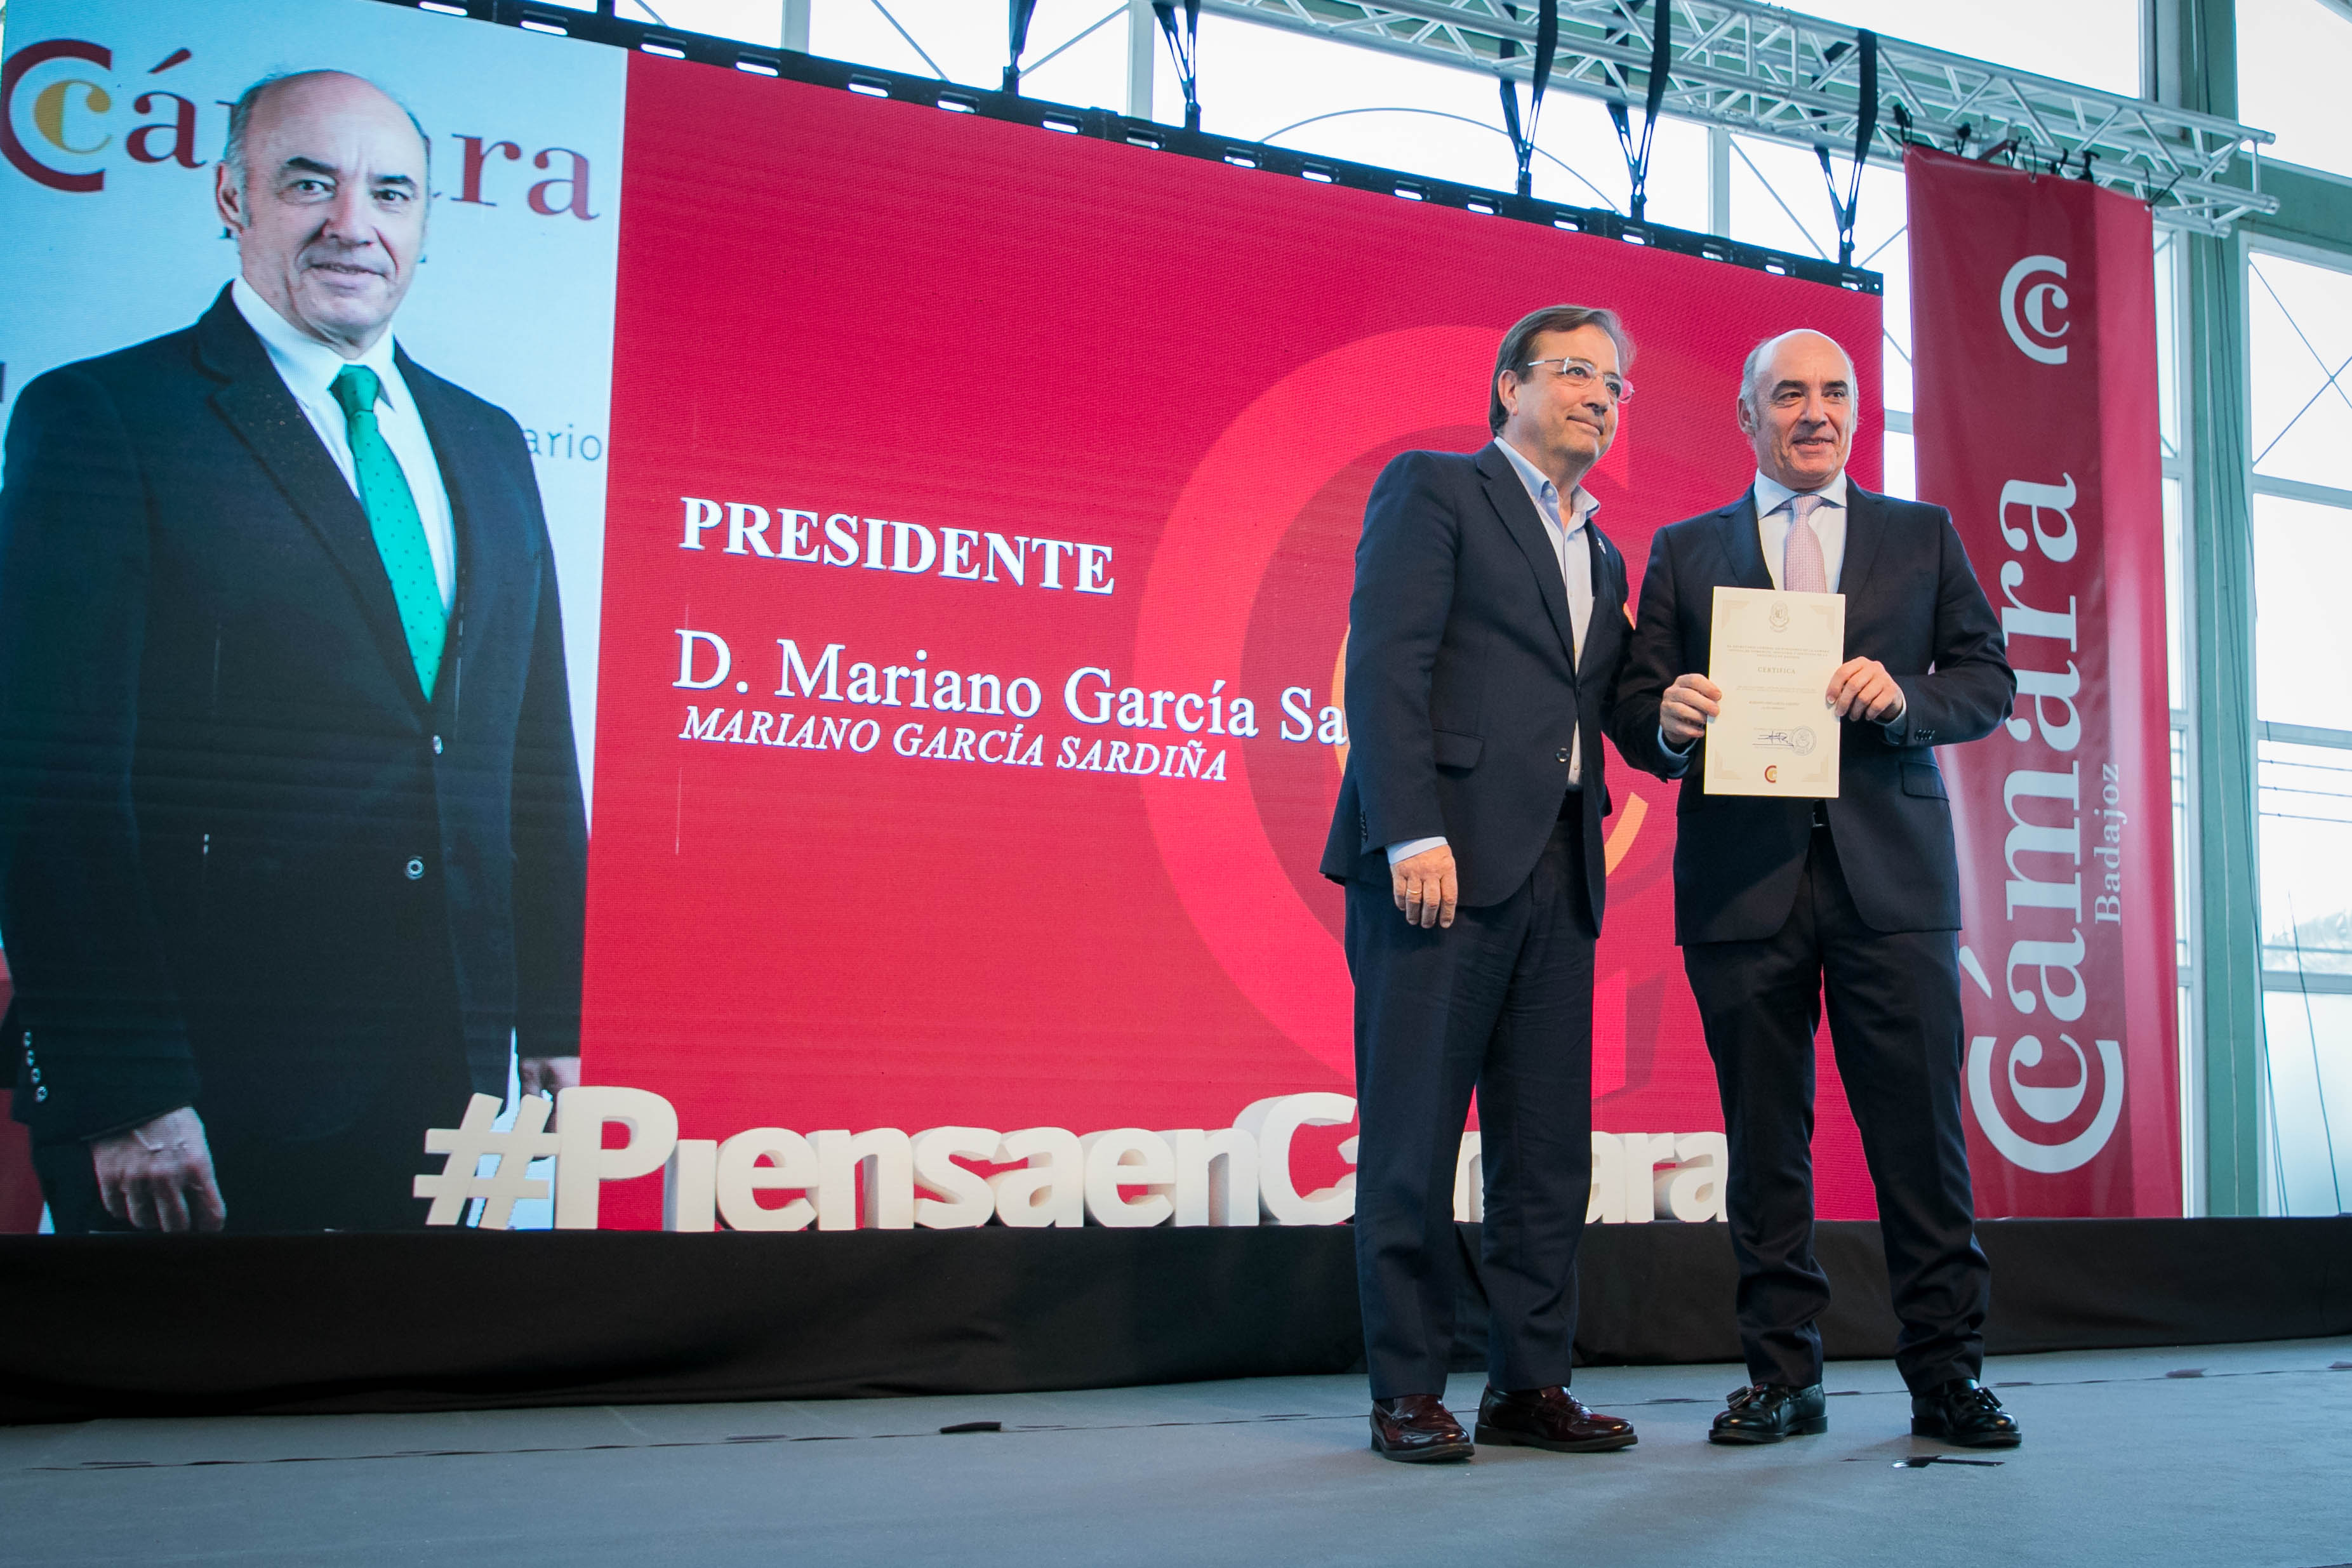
840 304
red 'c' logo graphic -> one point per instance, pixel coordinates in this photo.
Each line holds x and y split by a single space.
16 153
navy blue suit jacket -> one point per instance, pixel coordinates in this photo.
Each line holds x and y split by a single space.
245 861
1462 702
1913 603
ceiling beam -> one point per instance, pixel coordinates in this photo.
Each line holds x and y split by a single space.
1766 72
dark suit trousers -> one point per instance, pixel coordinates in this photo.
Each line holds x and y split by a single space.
1502 1003
1895 1023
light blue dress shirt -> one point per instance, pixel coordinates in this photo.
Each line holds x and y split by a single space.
1571 543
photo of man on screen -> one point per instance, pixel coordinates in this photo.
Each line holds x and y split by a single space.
292 846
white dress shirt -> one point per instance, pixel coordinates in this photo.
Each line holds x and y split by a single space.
1772 519
309 368
1571 543
1772 516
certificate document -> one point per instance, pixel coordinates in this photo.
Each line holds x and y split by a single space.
1772 657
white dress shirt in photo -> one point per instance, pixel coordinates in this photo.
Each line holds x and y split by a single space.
309 368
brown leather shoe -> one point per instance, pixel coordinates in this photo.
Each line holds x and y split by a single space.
1549 1419
1417 1429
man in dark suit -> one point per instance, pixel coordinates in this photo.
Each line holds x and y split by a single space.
1774 898
1484 636
292 842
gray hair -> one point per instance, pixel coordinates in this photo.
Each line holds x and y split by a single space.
1761 355
240 118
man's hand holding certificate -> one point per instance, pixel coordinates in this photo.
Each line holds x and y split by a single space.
1773 656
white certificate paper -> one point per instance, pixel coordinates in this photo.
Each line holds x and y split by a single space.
1772 656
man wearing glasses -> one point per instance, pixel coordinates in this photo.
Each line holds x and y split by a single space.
1776 899
1487 630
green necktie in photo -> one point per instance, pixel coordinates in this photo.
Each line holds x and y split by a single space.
392 518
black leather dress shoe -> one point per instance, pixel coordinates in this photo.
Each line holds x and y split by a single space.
1964 1412
1417 1429
1549 1419
1768 1412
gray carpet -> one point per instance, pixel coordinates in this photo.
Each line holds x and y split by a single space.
2235 1455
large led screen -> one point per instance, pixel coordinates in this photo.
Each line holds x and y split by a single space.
949 522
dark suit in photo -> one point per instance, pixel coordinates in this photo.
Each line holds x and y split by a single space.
1466 691
248 863
1779 902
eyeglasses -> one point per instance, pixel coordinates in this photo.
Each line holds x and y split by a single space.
1580 373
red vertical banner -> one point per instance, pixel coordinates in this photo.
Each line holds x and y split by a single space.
2033 316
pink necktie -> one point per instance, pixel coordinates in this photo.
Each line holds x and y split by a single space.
1801 569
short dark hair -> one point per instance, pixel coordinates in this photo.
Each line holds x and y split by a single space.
240 119
1516 342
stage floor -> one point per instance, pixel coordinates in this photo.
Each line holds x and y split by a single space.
2217 1453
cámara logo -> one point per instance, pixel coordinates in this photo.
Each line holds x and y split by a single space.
68 109
2025 308
2046 1107
59 119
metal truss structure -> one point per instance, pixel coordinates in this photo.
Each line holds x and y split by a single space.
1762 71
